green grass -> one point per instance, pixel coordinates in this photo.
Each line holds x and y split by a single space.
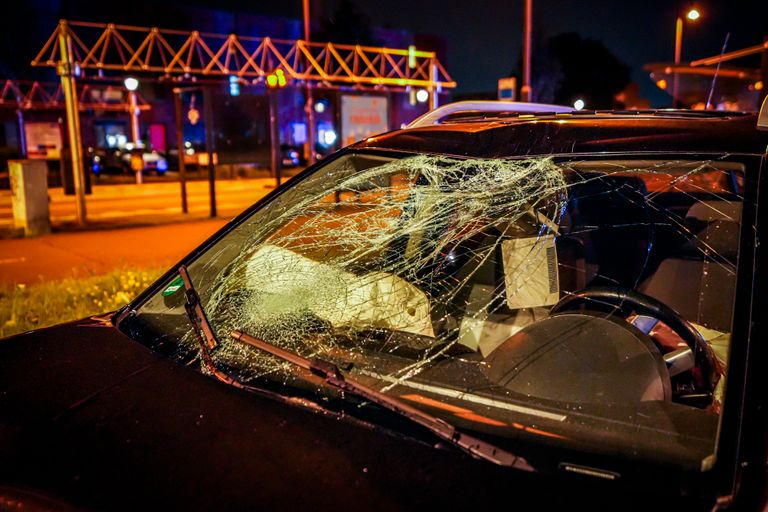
27 307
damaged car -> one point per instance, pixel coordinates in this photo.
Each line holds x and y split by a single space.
486 307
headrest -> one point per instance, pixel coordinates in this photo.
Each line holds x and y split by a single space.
717 226
708 211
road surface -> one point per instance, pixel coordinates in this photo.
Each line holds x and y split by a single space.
84 253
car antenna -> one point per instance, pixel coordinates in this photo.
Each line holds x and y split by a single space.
717 70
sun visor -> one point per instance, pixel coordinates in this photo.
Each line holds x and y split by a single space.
530 272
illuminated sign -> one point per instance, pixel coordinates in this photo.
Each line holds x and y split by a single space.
363 116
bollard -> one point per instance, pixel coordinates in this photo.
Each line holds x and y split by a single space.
29 193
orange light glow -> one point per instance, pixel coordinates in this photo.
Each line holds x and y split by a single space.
459 412
434 403
759 85
662 84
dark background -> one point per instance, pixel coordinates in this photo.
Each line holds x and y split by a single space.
482 37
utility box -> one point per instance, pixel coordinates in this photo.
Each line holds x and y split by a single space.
29 193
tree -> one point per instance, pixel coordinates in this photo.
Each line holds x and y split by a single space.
570 67
346 25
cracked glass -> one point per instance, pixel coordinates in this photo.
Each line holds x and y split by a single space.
576 302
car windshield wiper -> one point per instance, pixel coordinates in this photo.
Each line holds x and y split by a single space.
444 430
330 372
206 339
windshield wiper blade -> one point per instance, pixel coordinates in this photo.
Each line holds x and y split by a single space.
444 430
206 339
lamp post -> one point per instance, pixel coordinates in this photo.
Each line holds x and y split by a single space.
526 90
691 15
131 84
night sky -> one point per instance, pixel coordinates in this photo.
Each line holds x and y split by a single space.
483 36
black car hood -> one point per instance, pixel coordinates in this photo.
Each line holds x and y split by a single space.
92 417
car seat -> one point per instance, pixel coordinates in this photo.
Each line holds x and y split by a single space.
699 282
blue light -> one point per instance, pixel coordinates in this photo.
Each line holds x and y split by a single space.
234 86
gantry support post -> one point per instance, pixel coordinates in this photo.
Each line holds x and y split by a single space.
433 85
67 72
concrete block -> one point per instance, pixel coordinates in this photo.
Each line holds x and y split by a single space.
29 194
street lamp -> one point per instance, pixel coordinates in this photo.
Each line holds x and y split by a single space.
131 84
692 15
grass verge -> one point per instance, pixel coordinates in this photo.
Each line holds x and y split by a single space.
23 308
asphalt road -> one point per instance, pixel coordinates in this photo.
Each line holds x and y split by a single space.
53 257
129 226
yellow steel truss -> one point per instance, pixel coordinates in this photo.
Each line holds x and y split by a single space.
109 47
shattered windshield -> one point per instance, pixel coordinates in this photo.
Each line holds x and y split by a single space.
571 302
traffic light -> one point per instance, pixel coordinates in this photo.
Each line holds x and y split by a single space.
276 79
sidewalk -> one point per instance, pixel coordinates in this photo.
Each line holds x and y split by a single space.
155 203
32 260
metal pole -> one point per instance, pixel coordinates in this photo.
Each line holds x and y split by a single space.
305 11
135 133
309 110
210 147
66 69
182 148
274 135
22 134
309 107
678 51
764 71
433 99
526 91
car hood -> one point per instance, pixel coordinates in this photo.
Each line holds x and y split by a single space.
92 417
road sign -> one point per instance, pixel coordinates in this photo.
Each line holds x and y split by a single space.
507 88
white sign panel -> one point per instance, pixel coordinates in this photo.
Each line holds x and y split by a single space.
363 116
43 140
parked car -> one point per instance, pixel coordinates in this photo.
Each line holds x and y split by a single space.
290 155
485 309
117 161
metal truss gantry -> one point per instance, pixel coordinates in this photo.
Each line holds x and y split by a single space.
29 95
75 47
751 50
126 49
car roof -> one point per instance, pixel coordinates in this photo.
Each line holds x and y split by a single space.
498 134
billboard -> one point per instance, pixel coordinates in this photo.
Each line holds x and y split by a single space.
43 140
363 116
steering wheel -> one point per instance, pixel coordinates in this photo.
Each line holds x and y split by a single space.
624 302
